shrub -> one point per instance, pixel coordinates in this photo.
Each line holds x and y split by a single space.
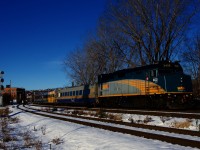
164 118
57 141
131 119
75 112
101 114
80 112
147 119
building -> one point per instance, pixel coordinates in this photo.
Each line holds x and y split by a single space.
14 94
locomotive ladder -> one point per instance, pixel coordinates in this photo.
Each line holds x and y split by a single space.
147 86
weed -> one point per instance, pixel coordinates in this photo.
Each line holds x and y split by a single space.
111 116
34 128
75 112
2 145
14 120
27 138
7 138
43 129
38 145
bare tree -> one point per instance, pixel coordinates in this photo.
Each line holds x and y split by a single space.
154 28
131 33
75 65
192 59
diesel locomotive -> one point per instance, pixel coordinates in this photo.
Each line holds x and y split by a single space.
160 85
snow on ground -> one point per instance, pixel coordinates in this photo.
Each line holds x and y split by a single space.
80 137
193 124
128 127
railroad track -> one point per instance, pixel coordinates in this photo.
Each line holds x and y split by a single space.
125 130
189 114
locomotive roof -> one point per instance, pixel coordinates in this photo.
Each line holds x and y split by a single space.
162 65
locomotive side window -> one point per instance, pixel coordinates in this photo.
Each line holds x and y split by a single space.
154 73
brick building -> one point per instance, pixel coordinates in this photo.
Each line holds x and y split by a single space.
14 93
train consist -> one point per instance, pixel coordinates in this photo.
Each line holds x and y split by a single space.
161 85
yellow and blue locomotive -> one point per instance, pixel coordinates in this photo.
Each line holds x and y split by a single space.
161 85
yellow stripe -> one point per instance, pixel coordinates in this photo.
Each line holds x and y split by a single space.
144 86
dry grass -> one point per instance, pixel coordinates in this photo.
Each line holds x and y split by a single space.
43 129
117 117
178 125
14 120
27 139
38 145
57 141
101 113
2 145
4 112
91 113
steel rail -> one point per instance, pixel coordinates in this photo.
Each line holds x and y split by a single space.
169 139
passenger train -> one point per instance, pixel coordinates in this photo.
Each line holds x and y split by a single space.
161 85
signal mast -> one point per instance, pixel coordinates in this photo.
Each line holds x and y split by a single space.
1 87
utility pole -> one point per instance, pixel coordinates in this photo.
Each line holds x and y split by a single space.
2 87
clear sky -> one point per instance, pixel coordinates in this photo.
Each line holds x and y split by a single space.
35 36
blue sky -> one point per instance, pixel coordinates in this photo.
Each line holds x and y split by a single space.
36 35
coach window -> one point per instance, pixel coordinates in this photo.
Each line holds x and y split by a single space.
80 92
73 93
70 93
76 92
